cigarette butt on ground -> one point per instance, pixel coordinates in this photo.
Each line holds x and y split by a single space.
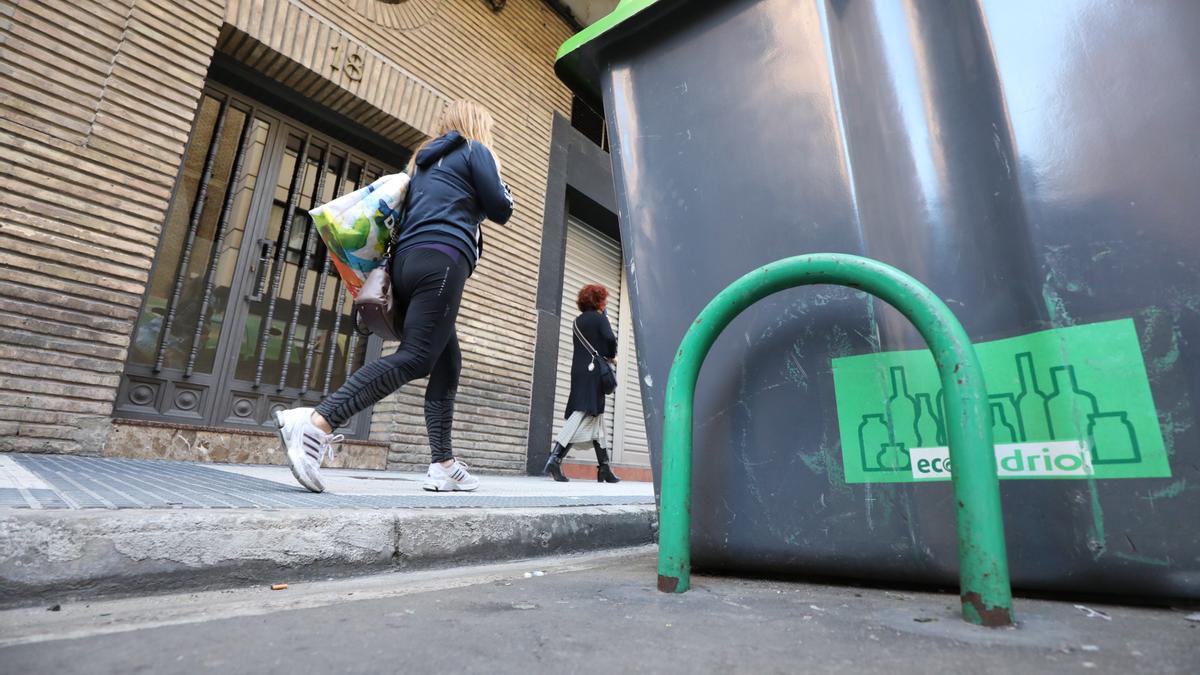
279 587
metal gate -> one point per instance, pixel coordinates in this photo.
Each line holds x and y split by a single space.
244 313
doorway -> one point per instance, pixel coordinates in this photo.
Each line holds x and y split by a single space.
594 258
244 312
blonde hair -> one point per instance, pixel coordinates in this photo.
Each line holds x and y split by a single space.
468 118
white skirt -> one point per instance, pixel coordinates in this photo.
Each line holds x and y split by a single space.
581 428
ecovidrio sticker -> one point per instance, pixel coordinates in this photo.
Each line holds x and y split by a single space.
1067 403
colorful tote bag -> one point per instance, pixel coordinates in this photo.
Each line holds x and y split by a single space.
358 227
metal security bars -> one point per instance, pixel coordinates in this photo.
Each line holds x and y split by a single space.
310 236
280 259
222 231
309 346
193 225
241 317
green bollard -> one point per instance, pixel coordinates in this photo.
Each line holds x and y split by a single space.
983 562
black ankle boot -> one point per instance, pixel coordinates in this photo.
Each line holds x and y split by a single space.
554 464
604 472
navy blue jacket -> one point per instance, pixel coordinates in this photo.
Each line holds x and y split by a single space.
456 184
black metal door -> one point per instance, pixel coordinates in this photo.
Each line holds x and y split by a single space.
245 313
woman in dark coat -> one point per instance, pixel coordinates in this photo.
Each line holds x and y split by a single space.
585 405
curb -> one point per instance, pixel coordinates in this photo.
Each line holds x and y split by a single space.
88 553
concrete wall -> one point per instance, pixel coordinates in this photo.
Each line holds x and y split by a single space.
98 105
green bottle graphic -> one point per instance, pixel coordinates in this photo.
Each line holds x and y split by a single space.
894 457
929 424
1031 403
1067 406
872 439
1002 430
1112 439
902 411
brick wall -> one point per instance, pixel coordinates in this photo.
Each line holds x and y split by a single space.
109 107
98 104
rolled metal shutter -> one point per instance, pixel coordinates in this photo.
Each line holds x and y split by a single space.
630 444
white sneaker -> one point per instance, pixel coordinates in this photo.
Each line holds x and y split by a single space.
306 445
442 479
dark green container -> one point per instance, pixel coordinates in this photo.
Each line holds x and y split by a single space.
1037 165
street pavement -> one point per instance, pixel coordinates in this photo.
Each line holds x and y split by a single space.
591 613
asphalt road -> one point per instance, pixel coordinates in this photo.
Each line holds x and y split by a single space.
598 613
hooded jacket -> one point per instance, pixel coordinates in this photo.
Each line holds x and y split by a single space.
456 184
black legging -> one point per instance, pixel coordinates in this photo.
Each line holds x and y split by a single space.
428 286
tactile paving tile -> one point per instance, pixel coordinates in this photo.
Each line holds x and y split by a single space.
115 483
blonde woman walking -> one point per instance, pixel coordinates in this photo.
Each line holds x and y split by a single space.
455 185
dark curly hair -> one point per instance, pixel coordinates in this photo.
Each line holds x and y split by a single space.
592 297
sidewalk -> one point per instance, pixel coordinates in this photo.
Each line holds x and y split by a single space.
69 482
86 525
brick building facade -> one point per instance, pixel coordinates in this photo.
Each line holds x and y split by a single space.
138 139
